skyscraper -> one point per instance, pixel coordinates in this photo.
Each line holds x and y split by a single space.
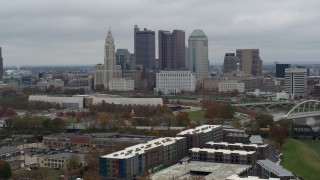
103 73
280 70
171 49
124 59
250 62
230 63
1 65
198 54
296 82
144 47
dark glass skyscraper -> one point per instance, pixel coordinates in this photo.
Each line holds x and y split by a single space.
1 65
171 49
144 47
281 70
230 63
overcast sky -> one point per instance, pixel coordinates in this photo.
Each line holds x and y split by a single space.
68 32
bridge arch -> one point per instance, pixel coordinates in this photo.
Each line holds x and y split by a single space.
304 109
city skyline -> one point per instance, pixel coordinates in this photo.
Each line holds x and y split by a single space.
66 33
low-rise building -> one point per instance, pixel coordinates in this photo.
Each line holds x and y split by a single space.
200 135
8 152
231 86
60 161
267 169
170 81
121 84
223 156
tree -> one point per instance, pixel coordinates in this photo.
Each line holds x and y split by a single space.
91 175
104 120
278 134
264 120
74 162
5 170
183 119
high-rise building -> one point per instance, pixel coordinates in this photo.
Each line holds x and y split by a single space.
124 59
186 58
144 47
104 72
198 54
250 62
1 65
280 70
230 63
296 82
171 49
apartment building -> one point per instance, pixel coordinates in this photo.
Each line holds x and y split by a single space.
149 157
200 135
60 161
222 156
262 151
121 84
267 169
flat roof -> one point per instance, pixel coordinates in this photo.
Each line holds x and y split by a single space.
256 139
273 167
7 149
236 177
224 151
141 148
238 144
200 129
216 170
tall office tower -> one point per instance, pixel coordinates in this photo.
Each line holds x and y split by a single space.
1 65
296 82
171 49
230 63
186 57
198 55
280 70
124 59
103 73
144 47
250 62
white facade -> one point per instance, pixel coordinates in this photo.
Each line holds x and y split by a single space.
121 84
230 86
296 82
198 54
104 72
175 81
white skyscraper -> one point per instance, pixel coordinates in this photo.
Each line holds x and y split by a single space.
198 55
103 73
296 82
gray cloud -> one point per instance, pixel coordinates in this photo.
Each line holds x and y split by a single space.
72 32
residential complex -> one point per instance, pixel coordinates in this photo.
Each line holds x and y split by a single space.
262 151
175 81
296 82
147 157
223 156
171 49
199 136
121 84
104 72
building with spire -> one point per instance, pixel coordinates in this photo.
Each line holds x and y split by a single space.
103 73
198 55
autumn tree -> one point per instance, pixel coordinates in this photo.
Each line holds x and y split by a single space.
182 119
91 175
264 120
278 134
74 162
104 120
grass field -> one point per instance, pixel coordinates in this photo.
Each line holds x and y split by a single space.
315 145
197 115
300 160
71 120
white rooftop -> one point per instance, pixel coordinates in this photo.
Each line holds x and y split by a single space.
224 151
238 144
140 148
200 129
